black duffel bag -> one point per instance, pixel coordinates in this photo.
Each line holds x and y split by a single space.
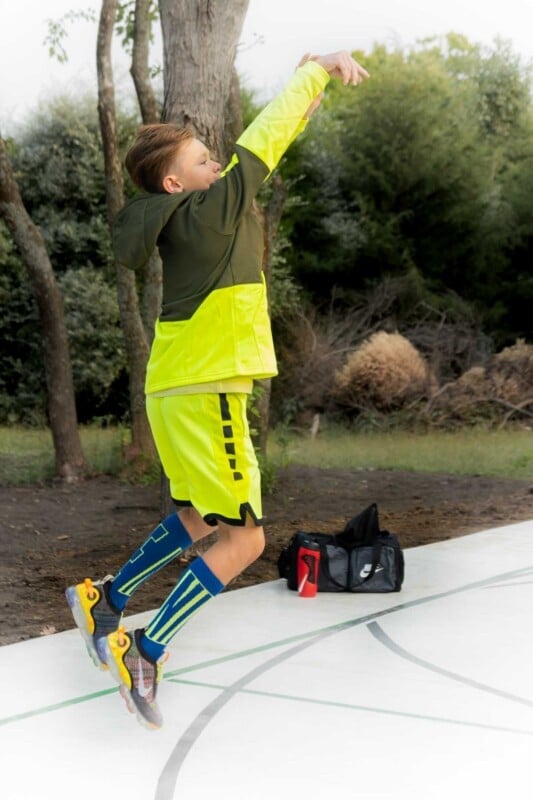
361 558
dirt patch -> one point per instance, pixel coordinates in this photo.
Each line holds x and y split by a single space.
51 536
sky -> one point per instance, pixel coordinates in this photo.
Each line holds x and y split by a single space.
275 34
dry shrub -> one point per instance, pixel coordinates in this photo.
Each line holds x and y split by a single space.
310 350
504 386
312 345
385 372
450 346
510 373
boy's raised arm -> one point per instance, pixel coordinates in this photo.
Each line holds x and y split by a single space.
285 116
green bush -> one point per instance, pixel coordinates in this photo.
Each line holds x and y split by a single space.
59 165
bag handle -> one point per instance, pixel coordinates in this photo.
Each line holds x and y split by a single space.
324 561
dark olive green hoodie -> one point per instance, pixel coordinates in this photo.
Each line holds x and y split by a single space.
214 323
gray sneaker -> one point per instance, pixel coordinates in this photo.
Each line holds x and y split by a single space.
137 675
94 614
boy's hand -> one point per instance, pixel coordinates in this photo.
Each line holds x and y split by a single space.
339 65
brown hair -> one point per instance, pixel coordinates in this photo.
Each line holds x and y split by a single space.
150 156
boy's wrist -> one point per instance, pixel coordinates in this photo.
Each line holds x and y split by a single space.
314 66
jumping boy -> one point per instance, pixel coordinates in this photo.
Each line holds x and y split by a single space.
212 340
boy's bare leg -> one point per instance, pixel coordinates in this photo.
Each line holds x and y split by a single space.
206 576
194 523
236 549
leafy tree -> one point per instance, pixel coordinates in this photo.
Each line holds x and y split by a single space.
56 153
59 164
22 381
417 172
96 341
70 462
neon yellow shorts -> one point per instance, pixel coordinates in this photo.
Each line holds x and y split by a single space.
204 444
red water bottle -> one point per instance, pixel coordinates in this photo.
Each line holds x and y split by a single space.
307 568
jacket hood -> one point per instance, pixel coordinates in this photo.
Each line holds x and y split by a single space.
137 226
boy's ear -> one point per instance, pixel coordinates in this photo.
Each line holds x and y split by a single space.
172 185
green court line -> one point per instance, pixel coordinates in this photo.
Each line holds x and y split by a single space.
57 706
262 648
170 675
280 642
167 676
355 707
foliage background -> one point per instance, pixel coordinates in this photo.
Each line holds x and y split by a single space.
408 209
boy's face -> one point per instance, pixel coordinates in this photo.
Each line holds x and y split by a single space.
193 169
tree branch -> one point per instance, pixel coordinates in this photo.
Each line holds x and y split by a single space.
139 63
130 318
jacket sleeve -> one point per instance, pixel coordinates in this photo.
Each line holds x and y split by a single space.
281 120
260 148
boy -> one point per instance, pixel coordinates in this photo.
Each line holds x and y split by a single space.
211 341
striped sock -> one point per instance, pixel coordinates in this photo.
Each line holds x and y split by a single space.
165 543
195 587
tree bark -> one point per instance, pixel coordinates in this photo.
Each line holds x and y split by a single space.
232 114
200 39
201 86
271 217
152 272
139 63
69 460
132 325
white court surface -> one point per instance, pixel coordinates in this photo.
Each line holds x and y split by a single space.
422 694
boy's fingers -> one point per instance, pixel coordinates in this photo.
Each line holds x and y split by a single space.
352 72
346 68
304 59
359 73
340 65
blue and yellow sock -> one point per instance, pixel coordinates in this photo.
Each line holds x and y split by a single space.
165 543
196 586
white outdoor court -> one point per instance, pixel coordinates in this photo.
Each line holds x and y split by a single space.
425 694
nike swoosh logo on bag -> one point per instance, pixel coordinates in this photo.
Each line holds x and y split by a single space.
365 572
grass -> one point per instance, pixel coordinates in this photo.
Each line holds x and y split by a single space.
26 454
473 451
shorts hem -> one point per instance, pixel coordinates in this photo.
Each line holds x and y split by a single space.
182 503
245 510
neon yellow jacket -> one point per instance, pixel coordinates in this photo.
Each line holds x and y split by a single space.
214 323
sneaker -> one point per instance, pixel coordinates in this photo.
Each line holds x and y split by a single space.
137 675
94 614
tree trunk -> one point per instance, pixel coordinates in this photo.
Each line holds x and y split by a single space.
201 85
139 63
152 273
70 463
233 114
200 39
271 217
132 325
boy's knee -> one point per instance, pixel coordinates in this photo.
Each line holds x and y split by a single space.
257 543
194 523
249 543
252 543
